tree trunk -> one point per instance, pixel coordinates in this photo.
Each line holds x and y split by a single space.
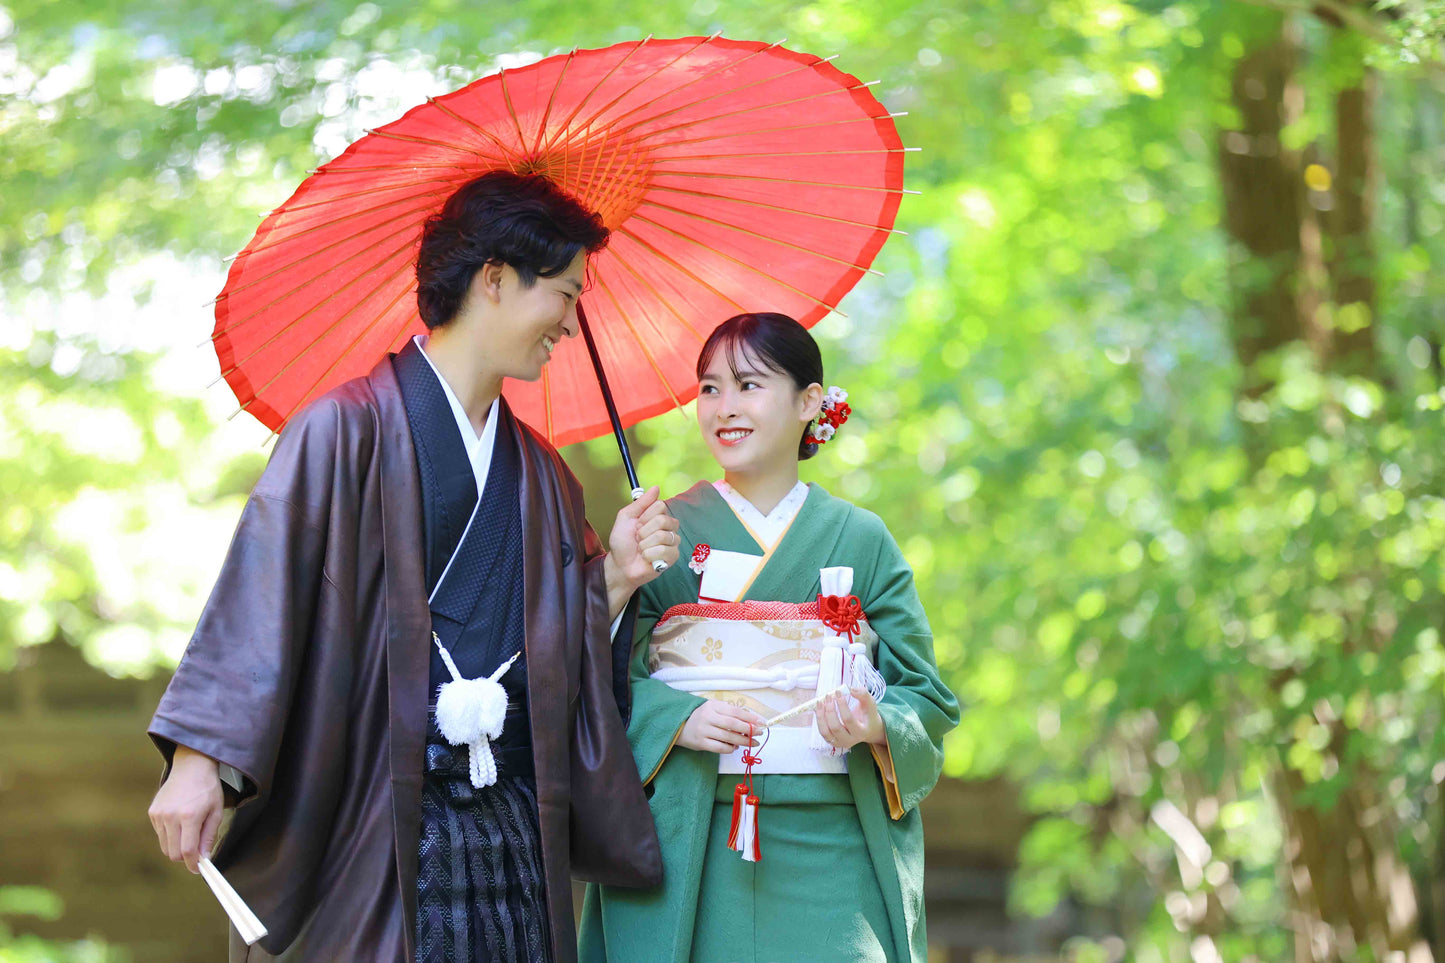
1348 224
1350 887
1262 184
1291 249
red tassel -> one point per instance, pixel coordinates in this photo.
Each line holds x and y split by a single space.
743 834
755 847
739 795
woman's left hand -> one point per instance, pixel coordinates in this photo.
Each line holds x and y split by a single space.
845 722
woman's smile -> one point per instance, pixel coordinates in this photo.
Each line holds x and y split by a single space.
731 436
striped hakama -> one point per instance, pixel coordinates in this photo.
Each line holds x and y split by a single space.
481 897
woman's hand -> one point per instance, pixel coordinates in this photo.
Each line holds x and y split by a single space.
187 810
720 727
846 722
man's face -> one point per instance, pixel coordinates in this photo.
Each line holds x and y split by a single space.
522 325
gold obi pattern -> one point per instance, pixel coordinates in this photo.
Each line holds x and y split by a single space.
762 656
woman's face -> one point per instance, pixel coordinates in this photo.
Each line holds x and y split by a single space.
753 420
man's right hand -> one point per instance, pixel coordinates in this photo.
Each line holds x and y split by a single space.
187 810
717 726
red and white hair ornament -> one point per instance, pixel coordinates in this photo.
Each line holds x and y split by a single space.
835 412
699 558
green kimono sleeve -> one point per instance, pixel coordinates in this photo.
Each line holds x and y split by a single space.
658 710
918 708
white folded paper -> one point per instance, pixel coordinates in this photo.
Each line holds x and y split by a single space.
808 706
245 921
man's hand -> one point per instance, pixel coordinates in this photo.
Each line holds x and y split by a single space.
644 533
720 727
187 810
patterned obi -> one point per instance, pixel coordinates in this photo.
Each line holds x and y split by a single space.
762 656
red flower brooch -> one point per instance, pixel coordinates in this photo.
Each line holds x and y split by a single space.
699 558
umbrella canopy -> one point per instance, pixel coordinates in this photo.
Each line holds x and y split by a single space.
735 176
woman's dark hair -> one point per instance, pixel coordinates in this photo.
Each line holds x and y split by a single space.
778 343
523 220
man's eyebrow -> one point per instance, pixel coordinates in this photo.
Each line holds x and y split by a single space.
576 285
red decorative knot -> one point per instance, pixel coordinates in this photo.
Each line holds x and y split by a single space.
841 614
751 760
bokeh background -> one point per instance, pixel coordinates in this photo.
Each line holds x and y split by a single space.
1151 396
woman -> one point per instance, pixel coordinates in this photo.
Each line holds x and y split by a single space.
801 842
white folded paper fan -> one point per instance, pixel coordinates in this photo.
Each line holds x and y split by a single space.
246 922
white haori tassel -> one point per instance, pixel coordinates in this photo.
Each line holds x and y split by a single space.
470 713
837 581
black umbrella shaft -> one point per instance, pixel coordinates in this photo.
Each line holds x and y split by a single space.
607 400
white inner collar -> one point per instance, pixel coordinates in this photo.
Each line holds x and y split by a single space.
769 527
478 447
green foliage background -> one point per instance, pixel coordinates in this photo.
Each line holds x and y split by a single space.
1146 590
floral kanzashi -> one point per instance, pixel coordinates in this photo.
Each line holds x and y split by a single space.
699 558
834 414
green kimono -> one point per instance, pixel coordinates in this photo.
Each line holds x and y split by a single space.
841 876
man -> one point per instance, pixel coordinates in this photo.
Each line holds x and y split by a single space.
408 531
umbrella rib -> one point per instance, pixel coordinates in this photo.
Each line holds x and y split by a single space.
547 114
320 337
761 273
791 180
646 79
642 346
400 186
771 130
657 295
611 186
870 225
303 315
271 244
760 236
565 127
547 401
397 342
510 154
238 324
728 65
788 153
333 171
712 73
745 110
228 294
668 259
598 177
512 111
340 358
423 140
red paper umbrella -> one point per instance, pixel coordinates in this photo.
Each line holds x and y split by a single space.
734 176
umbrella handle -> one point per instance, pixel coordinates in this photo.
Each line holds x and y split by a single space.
637 489
659 566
